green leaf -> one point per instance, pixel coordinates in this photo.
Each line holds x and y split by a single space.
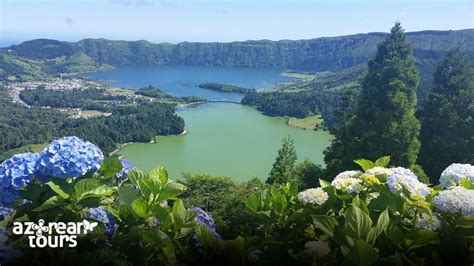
160 174
324 183
163 216
325 224
127 195
361 253
139 206
155 237
356 201
383 161
53 202
358 223
206 236
420 238
110 167
253 203
464 182
179 212
375 231
280 203
292 188
466 222
60 187
394 233
171 191
97 192
86 185
382 222
365 164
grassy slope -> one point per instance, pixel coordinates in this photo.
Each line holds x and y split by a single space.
309 122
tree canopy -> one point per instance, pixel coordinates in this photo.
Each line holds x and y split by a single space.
447 133
384 121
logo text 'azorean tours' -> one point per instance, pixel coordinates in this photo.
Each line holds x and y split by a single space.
53 235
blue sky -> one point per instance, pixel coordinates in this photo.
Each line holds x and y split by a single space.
222 20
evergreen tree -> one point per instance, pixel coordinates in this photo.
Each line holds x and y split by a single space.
384 121
447 134
283 166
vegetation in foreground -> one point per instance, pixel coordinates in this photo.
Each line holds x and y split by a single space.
378 216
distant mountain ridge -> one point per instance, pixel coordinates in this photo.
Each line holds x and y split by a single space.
320 54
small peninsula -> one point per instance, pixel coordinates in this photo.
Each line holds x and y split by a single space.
225 87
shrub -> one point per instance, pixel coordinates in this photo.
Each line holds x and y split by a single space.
377 216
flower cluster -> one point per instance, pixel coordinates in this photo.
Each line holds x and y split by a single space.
381 173
402 178
15 173
313 196
317 248
455 200
369 180
102 215
126 166
348 182
428 222
455 172
204 218
69 157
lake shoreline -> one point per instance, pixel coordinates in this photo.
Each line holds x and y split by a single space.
152 141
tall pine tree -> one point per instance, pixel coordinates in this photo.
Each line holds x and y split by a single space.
384 122
282 170
447 134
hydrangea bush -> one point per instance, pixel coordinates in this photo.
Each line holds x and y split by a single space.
380 215
141 219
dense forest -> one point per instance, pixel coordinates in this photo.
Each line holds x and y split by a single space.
23 126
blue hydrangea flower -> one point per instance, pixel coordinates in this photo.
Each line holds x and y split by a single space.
126 166
402 178
69 157
5 211
205 219
102 215
15 173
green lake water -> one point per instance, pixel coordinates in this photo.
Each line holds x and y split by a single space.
226 139
223 138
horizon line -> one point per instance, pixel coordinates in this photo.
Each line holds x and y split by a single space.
247 40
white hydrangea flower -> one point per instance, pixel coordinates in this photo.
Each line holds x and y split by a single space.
348 181
313 196
317 248
456 172
428 222
379 171
404 178
455 200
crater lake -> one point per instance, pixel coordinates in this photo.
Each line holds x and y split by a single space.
224 139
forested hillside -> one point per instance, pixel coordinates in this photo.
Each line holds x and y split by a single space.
24 126
321 54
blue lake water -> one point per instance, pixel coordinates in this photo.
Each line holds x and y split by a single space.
182 80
